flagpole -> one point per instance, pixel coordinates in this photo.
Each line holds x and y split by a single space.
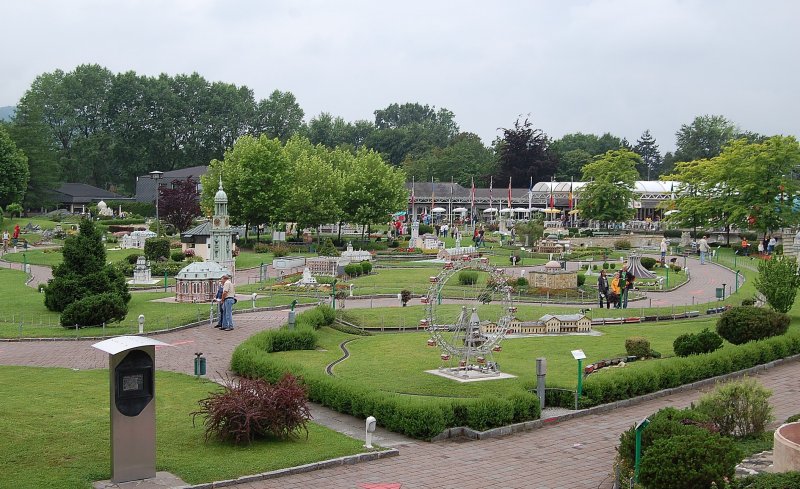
530 197
491 217
413 202
450 202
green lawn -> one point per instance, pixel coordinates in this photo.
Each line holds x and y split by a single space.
28 309
53 257
396 362
62 439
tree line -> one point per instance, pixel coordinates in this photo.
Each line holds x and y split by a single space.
93 126
268 182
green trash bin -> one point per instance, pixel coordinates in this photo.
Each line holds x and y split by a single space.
720 293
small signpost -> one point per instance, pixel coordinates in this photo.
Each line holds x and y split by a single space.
579 356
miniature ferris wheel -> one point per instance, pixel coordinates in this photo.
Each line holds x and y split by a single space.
467 342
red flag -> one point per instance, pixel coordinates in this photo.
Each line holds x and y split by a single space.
570 195
509 192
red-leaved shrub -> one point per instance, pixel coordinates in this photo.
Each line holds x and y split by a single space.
246 409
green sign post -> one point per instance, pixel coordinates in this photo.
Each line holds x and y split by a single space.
333 294
579 356
641 425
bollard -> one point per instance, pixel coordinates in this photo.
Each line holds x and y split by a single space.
369 428
141 323
541 372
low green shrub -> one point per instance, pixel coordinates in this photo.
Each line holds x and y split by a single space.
177 255
605 265
522 282
467 277
132 258
366 267
581 279
647 377
280 249
156 249
648 263
262 247
689 461
94 310
172 268
695 344
488 412
622 244
741 324
765 480
740 408
665 423
637 346
353 269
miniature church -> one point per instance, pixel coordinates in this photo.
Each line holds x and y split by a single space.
196 282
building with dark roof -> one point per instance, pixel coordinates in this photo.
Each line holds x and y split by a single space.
146 186
76 197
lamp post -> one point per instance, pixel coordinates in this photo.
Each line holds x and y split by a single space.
156 175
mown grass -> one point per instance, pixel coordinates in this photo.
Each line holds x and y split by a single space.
61 439
397 362
27 309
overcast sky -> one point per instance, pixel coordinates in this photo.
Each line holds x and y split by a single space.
619 66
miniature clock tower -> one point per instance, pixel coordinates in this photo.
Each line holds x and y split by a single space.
221 241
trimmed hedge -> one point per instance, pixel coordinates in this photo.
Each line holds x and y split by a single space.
747 323
417 417
94 310
766 481
611 385
694 344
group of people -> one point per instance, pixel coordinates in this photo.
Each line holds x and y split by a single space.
13 239
226 298
616 290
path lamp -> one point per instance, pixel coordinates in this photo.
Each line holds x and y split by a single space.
737 281
157 175
723 292
24 263
641 425
254 299
667 284
579 356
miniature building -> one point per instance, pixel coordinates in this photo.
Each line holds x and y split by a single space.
214 240
103 210
553 277
354 256
547 324
141 272
428 242
458 252
323 265
198 282
307 280
136 239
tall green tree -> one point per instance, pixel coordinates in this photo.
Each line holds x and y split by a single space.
647 148
84 273
465 158
256 175
14 172
372 190
524 153
316 186
608 193
703 138
279 116
411 129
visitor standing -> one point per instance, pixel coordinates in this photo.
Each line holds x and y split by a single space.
627 278
616 290
771 245
760 247
228 301
480 238
663 251
218 300
602 289
745 247
704 249
5 240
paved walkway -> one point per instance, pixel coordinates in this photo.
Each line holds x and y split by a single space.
574 454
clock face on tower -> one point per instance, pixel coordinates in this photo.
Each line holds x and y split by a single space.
216 221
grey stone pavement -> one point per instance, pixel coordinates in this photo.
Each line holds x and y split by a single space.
576 453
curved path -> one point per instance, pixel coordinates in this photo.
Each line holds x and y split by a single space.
577 453
345 356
